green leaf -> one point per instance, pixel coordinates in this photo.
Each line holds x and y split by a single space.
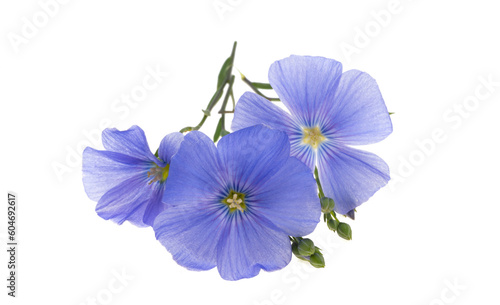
218 130
227 68
264 86
224 71
215 98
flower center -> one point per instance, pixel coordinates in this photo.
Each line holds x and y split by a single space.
158 173
312 136
235 201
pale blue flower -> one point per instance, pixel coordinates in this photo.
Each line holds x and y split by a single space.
328 112
234 206
126 179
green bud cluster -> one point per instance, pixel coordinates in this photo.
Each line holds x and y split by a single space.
304 249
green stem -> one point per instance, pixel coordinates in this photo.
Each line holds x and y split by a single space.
234 103
197 127
213 101
218 94
334 216
316 176
216 97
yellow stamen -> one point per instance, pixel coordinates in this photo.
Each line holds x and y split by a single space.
312 136
235 201
158 173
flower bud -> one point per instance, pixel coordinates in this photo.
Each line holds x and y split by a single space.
295 251
333 224
306 247
344 231
327 205
317 260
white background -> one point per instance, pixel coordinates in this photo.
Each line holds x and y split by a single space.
435 226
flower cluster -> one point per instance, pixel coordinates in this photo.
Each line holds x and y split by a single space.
244 203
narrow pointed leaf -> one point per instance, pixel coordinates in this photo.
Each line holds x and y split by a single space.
224 71
264 86
218 130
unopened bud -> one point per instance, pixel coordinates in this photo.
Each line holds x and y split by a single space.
306 247
327 205
295 251
350 214
333 224
317 260
344 231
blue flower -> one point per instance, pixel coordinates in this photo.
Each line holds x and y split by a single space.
126 179
233 206
328 111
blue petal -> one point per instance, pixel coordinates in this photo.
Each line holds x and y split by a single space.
249 244
103 170
289 200
358 114
169 146
130 142
304 84
253 109
195 173
191 233
154 206
126 201
350 176
305 153
253 155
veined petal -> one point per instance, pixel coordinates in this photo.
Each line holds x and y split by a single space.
195 173
350 176
248 245
169 146
289 200
126 201
130 142
191 234
154 206
305 153
253 109
304 84
103 170
357 114
252 155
